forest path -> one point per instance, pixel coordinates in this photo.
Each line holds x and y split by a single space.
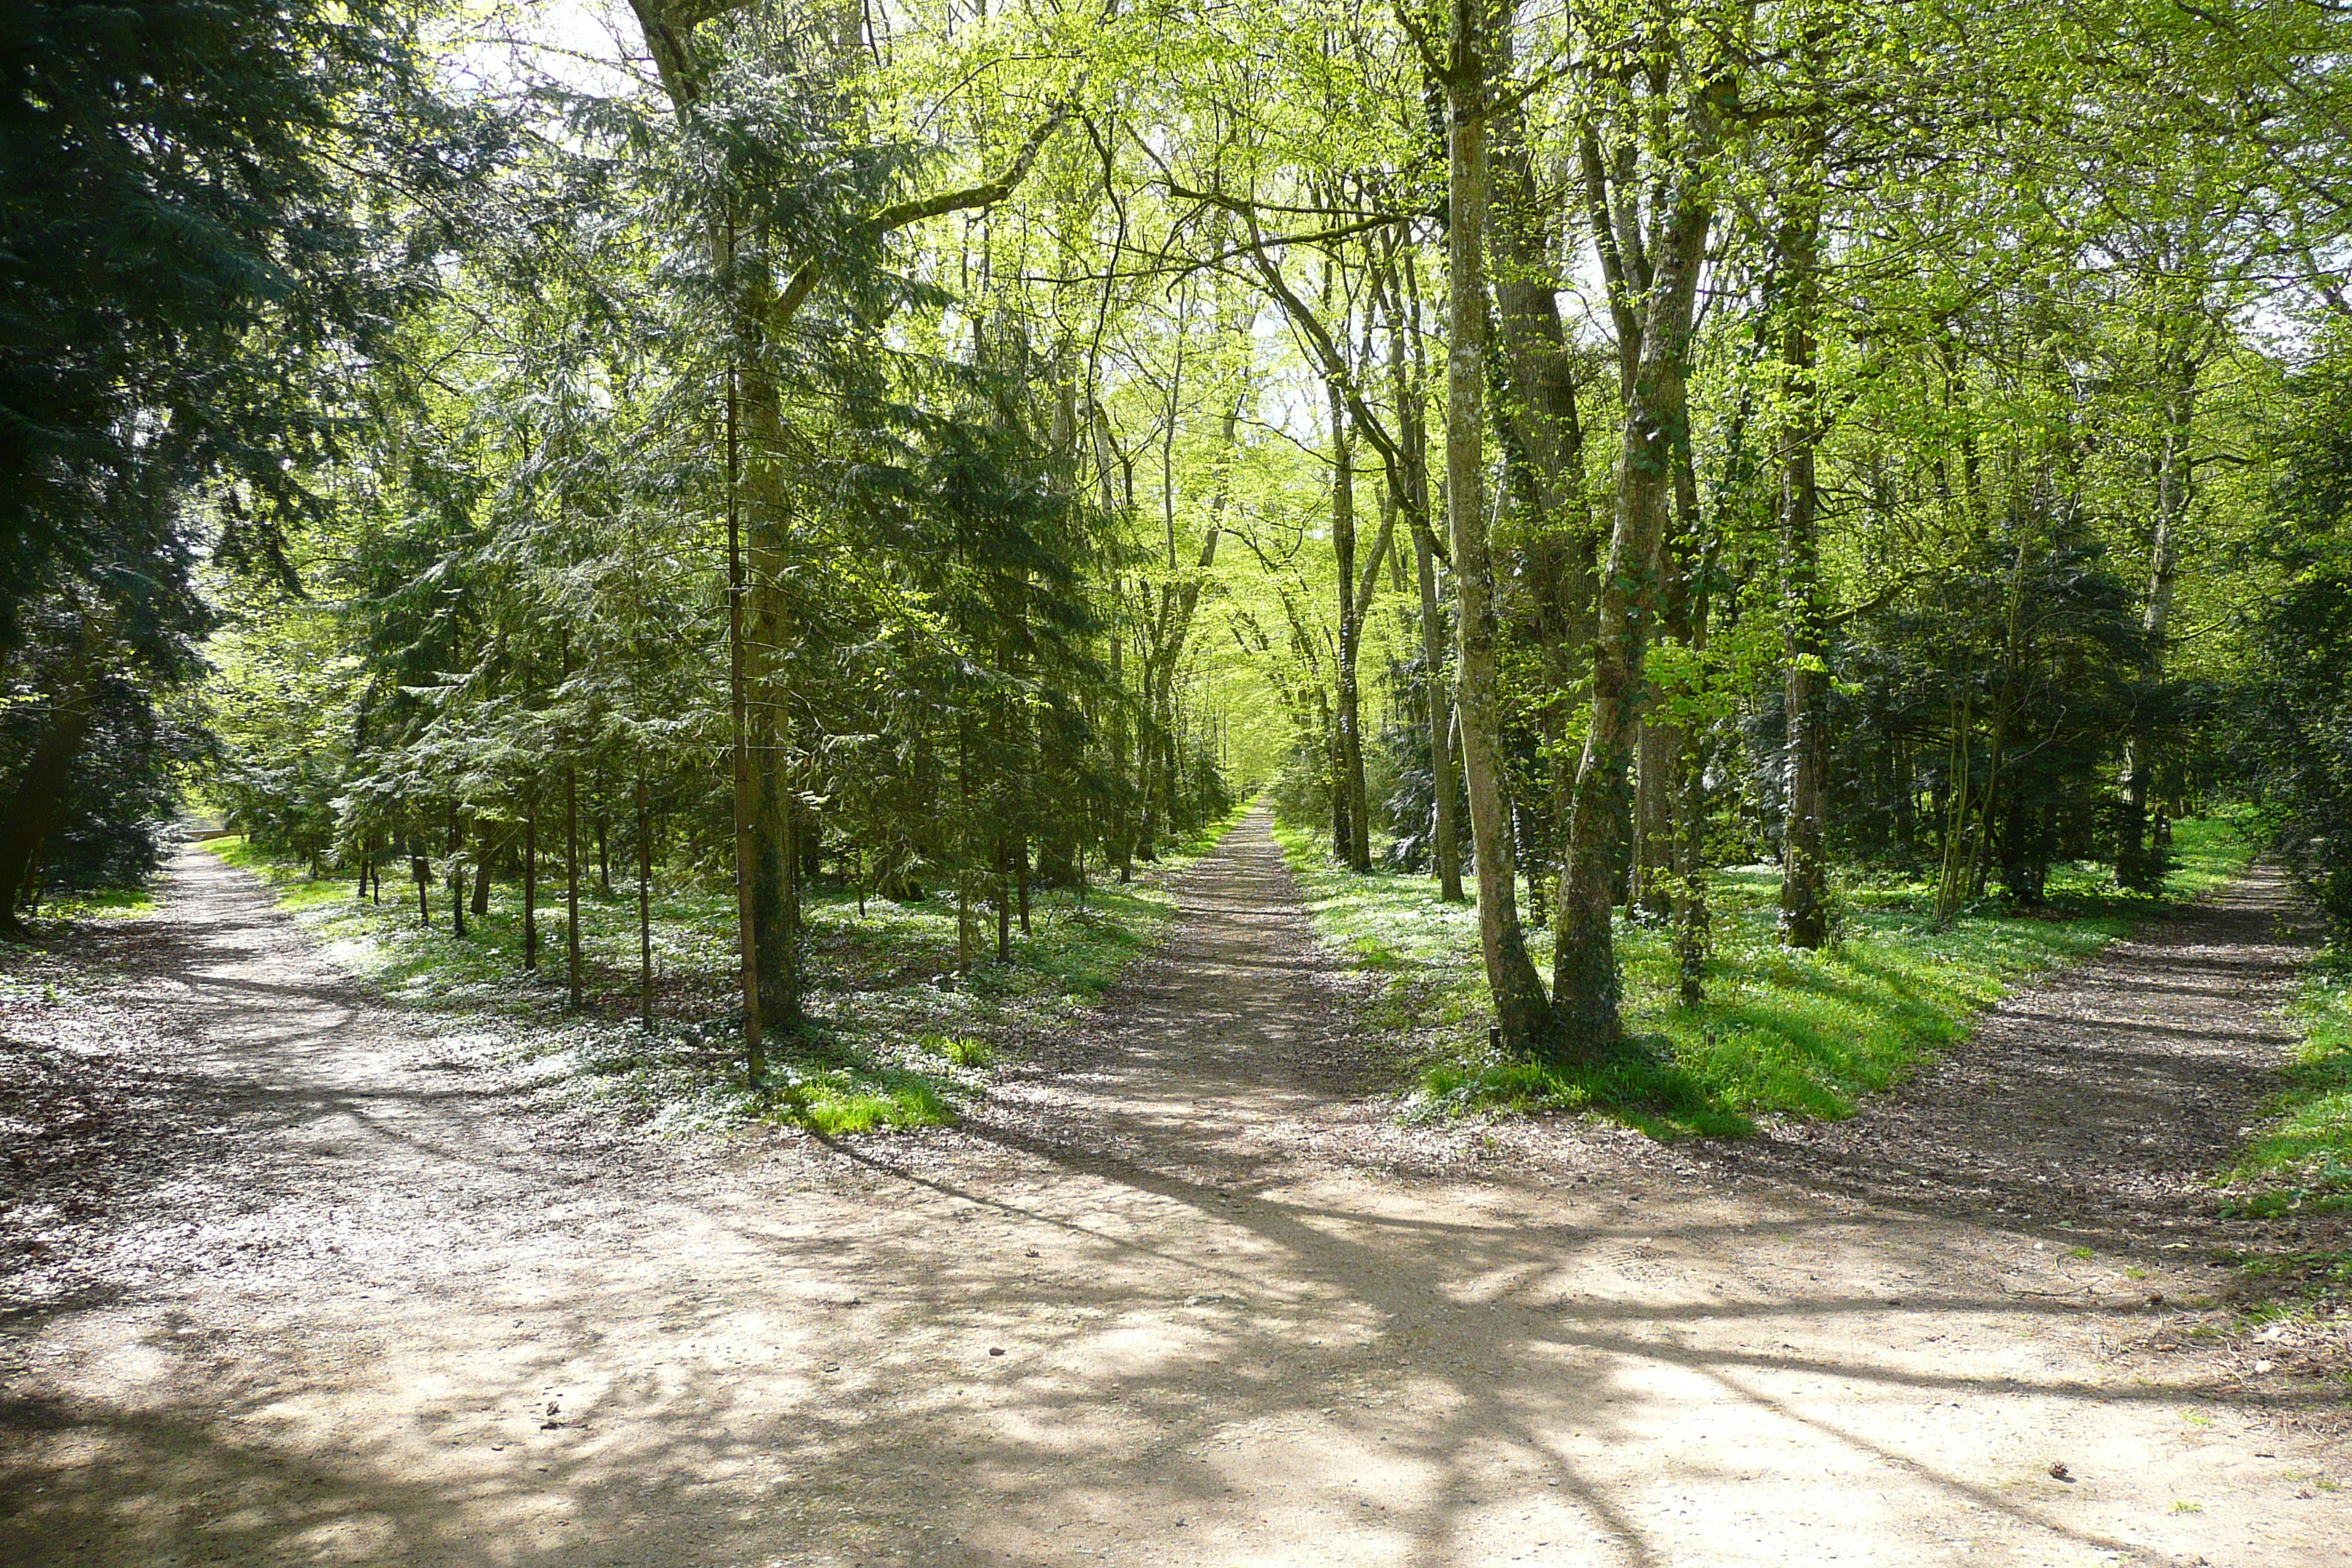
1173 1297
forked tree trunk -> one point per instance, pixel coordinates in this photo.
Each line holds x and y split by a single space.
1516 988
1586 1020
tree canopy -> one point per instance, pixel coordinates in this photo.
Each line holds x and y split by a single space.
945 449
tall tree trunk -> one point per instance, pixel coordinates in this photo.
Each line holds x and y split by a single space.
1804 876
457 876
1518 989
571 883
481 874
1586 1020
1003 902
1544 445
1354 845
644 909
1687 621
766 507
2137 866
740 736
531 883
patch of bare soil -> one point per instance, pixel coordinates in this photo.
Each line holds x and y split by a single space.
341 1289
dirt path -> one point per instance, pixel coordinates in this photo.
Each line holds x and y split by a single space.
1173 1297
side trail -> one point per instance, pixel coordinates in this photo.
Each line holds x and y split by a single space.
1171 1296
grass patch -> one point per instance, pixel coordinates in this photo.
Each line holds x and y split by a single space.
102 904
2300 1161
1781 1032
893 1038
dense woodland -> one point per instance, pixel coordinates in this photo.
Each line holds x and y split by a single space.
947 451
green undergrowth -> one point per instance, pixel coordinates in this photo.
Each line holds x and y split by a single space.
1779 1032
893 1036
2300 1161
106 904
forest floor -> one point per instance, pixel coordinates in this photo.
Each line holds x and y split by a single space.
295 1276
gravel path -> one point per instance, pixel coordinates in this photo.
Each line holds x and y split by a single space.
292 1277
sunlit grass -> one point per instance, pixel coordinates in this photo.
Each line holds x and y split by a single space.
106 904
894 1036
2301 1159
1779 1032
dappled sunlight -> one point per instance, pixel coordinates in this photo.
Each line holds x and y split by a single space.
1127 1311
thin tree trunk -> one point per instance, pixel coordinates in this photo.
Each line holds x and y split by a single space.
1691 916
1805 878
1003 903
482 876
1354 845
644 909
457 876
755 1061
571 881
530 885
1445 834
2135 866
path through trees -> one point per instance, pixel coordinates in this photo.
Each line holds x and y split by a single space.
1173 1297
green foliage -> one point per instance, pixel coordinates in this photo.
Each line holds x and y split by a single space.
2301 1159
2298 747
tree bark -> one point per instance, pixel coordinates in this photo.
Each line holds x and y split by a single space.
457 876
767 526
1804 877
1657 309
482 875
740 739
531 886
571 883
1353 844
2137 866
644 909
1518 989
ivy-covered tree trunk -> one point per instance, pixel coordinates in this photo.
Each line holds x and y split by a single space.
1516 988
1351 834
1586 1021
1804 876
